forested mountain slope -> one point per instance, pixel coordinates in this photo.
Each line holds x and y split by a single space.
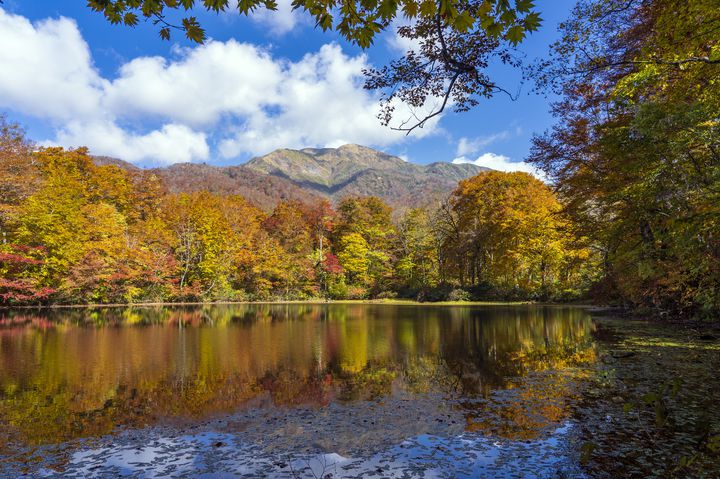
354 170
333 173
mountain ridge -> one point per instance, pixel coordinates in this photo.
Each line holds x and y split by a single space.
312 173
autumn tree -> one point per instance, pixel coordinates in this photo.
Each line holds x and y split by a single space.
289 225
19 174
86 217
213 241
75 214
81 232
509 234
21 275
321 218
635 151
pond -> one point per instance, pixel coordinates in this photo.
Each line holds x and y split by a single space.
302 390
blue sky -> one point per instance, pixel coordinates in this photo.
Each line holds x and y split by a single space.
273 81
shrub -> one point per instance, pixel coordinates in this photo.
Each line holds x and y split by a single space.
338 289
356 292
459 295
386 295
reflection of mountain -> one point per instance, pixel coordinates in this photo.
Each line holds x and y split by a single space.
82 372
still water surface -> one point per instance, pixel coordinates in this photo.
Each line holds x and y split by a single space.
376 375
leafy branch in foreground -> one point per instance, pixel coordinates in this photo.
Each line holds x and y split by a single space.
608 38
358 22
457 39
447 67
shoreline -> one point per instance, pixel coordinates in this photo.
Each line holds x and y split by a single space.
397 302
597 311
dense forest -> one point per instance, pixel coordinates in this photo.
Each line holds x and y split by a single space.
630 212
74 231
635 154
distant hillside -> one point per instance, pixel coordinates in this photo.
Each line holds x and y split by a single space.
307 174
358 170
108 160
263 190
327 168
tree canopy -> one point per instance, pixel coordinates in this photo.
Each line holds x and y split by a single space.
635 154
77 232
357 22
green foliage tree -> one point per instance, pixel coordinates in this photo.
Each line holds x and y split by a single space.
365 226
357 23
634 154
416 255
354 256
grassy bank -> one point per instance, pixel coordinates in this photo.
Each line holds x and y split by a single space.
400 302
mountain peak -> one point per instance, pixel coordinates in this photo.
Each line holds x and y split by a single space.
359 170
355 148
323 167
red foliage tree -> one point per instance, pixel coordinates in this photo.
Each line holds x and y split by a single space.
19 271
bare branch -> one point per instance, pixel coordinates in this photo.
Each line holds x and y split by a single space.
422 122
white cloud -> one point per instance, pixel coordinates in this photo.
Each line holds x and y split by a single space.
281 21
501 163
47 69
199 86
232 93
319 101
468 146
170 144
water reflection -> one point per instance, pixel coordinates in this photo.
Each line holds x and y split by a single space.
77 373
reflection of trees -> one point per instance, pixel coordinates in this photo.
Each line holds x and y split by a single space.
532 403
530 408
373 381
484 353
83 372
